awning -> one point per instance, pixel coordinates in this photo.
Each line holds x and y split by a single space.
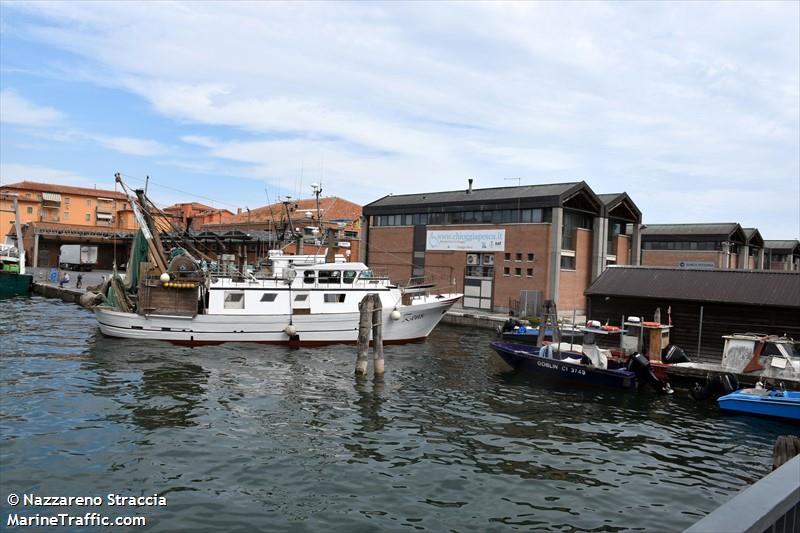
104 216
51 197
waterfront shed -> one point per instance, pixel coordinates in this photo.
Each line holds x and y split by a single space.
731 301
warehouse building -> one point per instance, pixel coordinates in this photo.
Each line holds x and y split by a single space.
708 246
506 247
703 305
782 255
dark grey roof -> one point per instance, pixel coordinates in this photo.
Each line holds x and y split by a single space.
540 195
753 236
719 231
761 288
613 200
786 246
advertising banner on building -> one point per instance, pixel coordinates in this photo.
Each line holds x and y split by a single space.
470 240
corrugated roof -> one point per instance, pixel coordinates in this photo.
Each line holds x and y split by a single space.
787 246
725 228
762 288
63 189
553 191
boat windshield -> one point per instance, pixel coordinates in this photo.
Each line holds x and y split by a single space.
366 274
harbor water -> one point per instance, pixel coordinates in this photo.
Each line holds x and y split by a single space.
246 437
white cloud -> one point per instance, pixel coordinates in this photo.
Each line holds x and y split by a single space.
16 110
13 172
130 145
418 96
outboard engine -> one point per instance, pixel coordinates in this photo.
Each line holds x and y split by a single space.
674 354
716 386
640 365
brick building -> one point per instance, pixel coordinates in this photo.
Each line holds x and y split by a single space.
262 229
782 255
504 247
52 215
194 215
725 246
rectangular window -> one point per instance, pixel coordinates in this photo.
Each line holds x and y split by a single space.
519 256
507 257
269 297
526 215
529 272
301 298
234 300
30 210
408 220
88 217
329 276
88 202
66 199
531 257
506 271
334 298
568 262
349 276
486 217
518 272
66 215
308 276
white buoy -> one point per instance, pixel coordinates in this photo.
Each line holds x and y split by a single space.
290 330
396 315
164 277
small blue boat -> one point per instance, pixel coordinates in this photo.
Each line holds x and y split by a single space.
775 403
562 365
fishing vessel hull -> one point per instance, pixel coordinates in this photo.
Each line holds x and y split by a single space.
415 323
13 284
525 358
778 404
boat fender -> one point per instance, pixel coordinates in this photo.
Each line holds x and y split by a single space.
640 365
290 330
674 354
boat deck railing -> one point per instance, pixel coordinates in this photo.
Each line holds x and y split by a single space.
772 505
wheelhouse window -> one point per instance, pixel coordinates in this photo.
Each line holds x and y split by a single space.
330 276
334 298
269 296
234 300
349 276
308 276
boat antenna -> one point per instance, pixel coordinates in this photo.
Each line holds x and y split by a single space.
271 214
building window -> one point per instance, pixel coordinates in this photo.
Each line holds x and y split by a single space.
507 257
568 262
529 272
234 300
269 296
88 217
27 195
66 215
506 271
88 202
518 272
29 210
66 199
531 257
519 256
334 298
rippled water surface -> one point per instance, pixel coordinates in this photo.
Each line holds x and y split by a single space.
251 437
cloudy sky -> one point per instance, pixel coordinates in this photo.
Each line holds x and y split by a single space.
692 108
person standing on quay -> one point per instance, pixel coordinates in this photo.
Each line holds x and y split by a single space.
78 281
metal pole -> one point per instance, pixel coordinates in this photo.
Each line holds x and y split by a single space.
572 331
699 332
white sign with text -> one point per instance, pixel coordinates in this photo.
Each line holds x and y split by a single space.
467 240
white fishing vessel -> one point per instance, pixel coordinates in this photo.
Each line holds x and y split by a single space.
181 301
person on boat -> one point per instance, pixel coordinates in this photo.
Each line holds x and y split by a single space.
64 280
511 323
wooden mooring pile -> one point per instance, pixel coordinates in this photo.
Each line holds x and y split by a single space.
371 318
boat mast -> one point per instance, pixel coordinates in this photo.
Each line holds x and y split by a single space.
149 231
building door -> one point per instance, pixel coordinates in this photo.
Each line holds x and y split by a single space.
479 281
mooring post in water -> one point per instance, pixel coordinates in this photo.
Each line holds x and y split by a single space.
364 325
377 335
699 332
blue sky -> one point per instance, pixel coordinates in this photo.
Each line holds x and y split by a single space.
692 108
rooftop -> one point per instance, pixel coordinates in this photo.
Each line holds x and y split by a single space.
64 189
759 288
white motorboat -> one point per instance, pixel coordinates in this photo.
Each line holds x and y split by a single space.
304 302
318 306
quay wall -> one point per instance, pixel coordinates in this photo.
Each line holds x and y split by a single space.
60 293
